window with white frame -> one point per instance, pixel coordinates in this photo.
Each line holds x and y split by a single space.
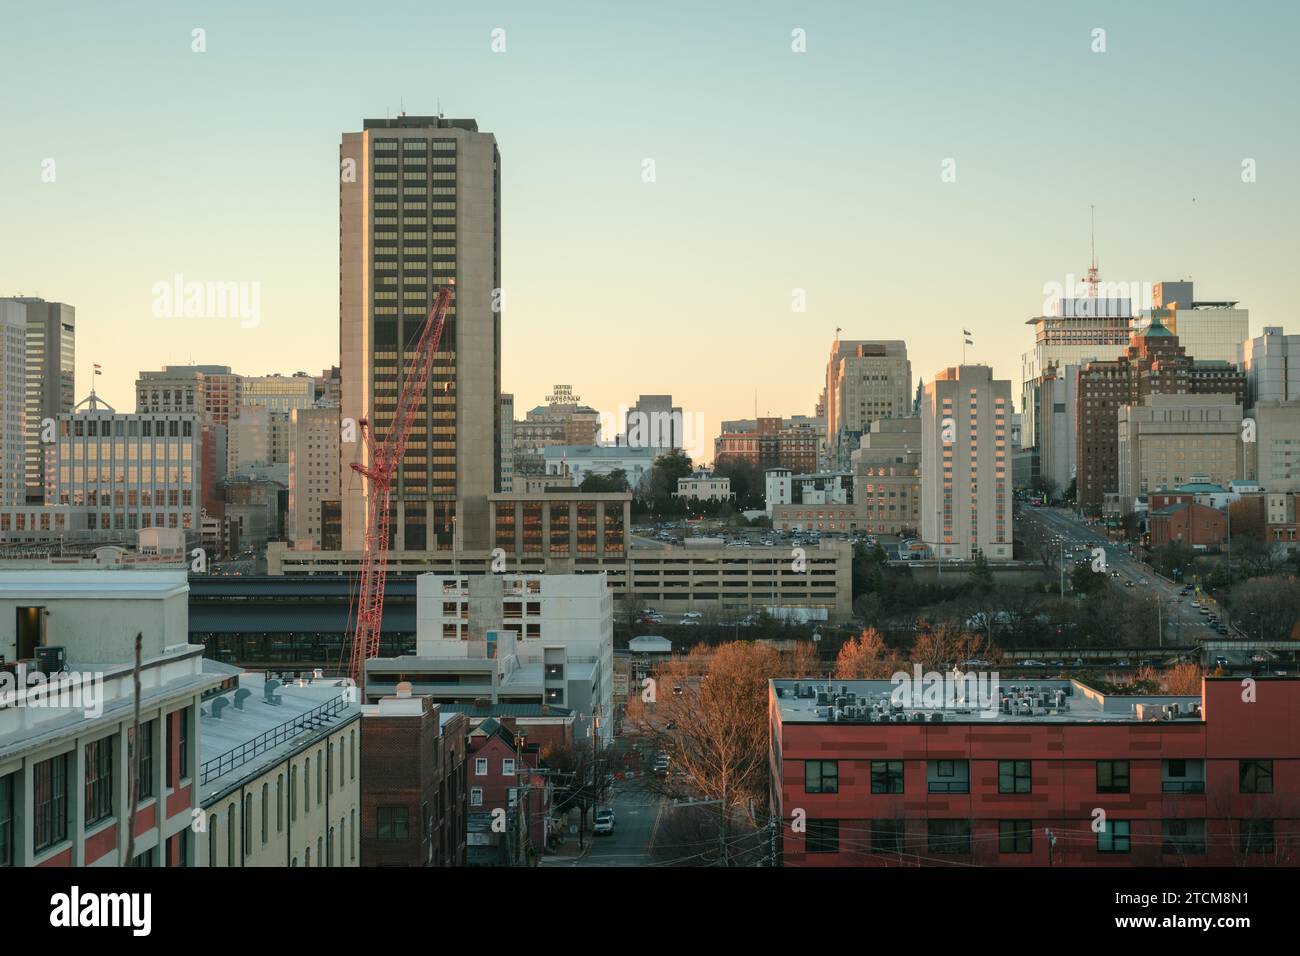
508 766
480 767
476 796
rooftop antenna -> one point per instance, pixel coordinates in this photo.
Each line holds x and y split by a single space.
1092 270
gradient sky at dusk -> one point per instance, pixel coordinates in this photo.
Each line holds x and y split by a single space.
775 171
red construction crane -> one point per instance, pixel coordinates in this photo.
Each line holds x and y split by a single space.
385 458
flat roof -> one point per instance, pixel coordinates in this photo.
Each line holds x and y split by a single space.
236 727
817 702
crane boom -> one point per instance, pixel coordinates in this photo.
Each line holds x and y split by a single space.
385 457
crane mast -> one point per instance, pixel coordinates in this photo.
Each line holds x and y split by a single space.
384 458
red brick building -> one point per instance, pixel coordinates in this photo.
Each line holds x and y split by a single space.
1154 364
502 776
1060 775
412 783
772 444
1189 524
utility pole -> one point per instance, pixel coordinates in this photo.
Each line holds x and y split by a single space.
133 784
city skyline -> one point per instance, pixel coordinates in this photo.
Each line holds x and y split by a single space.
698 272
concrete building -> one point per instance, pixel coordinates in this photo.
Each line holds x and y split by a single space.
1168 439
704 486
420 209
1277 444
279 772
1079 331
313 472
279 393
13 403
64 768
51 377
1272 365
865 381
654 422
1183 781
1057 423
329 387
130 471
966 464
1209 331
506 483
248 441
563 420
213 391
412 782
887 477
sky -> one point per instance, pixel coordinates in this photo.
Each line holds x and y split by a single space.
918 169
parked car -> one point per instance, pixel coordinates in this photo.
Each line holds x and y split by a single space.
604 821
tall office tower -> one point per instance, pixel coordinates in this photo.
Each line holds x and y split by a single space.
279 393
211 391
313 472
13 390
1207 331
1272 365
51 372
1154 364
966 464
1168 439
420 207
654 422
506 483
1079 330
865 382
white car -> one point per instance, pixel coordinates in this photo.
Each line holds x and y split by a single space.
692 615
604 821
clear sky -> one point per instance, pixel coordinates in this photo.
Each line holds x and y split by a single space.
775 171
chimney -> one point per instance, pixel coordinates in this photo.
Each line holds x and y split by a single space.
403 689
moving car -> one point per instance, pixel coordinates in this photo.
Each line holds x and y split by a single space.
604 821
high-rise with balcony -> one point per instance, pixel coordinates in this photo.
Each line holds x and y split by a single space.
419 208
966 464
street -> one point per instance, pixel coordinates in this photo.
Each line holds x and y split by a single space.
636 814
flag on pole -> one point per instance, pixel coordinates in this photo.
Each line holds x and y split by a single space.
967 332
969 342
99 369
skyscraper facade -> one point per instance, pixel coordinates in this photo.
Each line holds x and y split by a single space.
966 464
419 208
51 370
865 382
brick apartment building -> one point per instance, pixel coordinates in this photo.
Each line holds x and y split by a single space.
412 783
773 443
1215 782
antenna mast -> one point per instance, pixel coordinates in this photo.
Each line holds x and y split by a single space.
1092 279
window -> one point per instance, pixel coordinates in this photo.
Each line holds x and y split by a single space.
352 754
949 837
1015 836
279 803
393 823
1014 776
1112 776
230 835
320 770
293 794
886 776
99 780
183 736
476 796
306 785
508 767
1183 837
823 836
246 823
887 836
352 834
821 776
1113 837
1256 836
144 751
212 840
7 820
1256 776
480 766
266 813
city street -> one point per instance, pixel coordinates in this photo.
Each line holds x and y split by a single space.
636 814
1183 623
